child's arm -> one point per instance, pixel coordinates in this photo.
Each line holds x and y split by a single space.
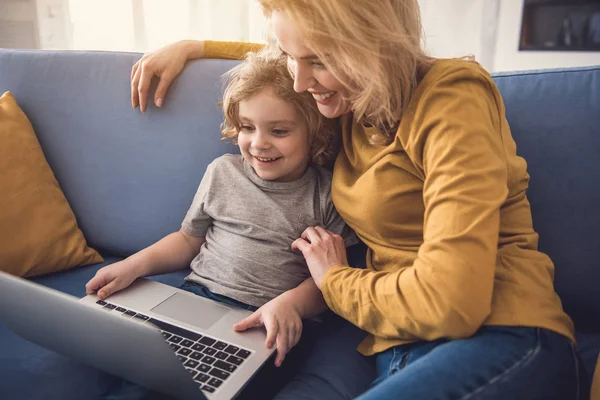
307 299
282 317
172 253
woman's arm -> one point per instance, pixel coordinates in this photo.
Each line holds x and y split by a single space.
447 292
167 63
229 50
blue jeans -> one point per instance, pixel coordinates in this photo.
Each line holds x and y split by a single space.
497 363
203 291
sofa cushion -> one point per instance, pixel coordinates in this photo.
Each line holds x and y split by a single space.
129 177
554 116
38 231
596 384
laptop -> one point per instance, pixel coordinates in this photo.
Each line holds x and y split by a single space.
158 336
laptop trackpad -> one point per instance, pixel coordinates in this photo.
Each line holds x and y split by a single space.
192 311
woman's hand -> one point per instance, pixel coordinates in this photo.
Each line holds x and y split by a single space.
322 250
283 323
165 63
111 279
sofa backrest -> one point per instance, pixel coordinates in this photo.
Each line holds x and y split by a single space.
130 177
554 117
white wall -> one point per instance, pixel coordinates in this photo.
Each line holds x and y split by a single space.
489 30
508 57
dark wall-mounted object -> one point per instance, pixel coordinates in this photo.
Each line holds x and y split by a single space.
560 25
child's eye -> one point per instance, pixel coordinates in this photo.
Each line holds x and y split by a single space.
246 128
317 65
280 132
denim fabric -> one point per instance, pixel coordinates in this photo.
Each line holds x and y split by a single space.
203 291
333 369
497 363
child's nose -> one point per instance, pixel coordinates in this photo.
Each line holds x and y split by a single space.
261 141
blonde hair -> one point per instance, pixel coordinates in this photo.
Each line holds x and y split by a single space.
268 68
372 47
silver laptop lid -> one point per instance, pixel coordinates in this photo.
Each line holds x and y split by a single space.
91 336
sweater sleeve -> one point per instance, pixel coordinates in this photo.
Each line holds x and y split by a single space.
229 50
447 292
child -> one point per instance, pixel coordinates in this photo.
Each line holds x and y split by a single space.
249 208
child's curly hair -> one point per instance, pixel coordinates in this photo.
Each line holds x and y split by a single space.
268 68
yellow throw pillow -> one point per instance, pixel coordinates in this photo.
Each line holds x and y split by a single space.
38 230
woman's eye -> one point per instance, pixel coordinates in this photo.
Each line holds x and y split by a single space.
318 65
247 128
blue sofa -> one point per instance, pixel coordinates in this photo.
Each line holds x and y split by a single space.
130 178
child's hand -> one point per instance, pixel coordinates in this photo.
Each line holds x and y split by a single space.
283 323
111 279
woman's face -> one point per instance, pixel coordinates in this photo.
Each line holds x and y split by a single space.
308 71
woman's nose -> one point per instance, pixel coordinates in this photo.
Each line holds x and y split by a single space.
303 79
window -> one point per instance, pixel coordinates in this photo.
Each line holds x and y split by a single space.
145 25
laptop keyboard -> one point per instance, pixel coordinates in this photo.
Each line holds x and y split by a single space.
210 361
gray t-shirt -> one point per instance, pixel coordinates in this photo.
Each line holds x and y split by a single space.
250 224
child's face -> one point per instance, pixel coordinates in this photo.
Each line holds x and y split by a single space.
273 137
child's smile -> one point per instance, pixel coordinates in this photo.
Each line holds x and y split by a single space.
266 160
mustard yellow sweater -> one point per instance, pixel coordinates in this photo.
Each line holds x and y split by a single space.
444 213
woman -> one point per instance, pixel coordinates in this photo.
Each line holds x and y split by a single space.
458 301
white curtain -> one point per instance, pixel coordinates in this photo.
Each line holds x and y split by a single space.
145 25
457 28
453 28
